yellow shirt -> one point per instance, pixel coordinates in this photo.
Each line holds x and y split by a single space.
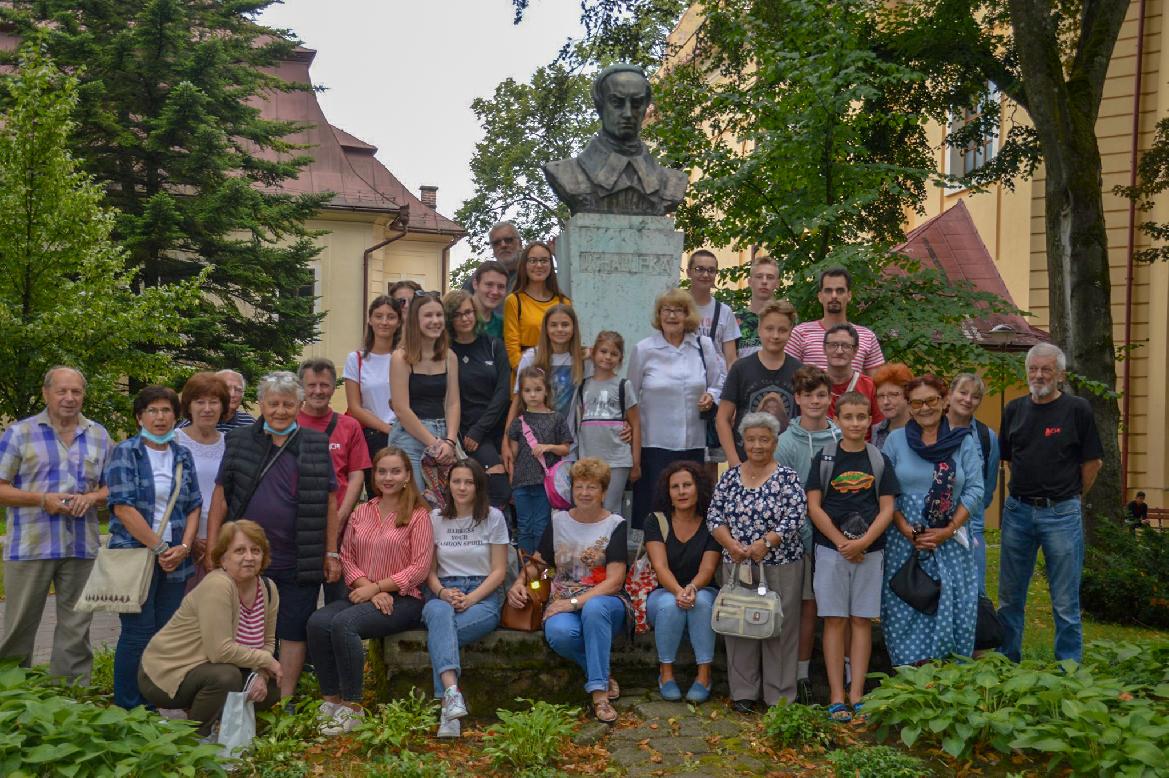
522 319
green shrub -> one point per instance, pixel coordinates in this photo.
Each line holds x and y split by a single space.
876 762
408 765
1126 576
101 681
797 725
532 737
1145 666
282 736
392 726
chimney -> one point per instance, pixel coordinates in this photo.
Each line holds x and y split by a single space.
429 196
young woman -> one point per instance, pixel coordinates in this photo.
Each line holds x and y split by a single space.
607 403
966 393
386 556
559 354
465 583
367 376
552 438
404 292
205 400
424 388
536 290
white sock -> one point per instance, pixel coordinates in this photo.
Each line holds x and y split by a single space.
847 671
803 671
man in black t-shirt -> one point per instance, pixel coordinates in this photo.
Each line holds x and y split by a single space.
1136 513
1050 441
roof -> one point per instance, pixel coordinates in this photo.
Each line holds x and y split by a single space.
950 243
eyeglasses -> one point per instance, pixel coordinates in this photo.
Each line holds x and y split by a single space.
501 241
463 314
839 347
668 311
889 395
539 261
929 402
699 270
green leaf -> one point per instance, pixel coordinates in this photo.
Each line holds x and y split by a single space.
909 735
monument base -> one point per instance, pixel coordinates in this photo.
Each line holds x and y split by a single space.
614 266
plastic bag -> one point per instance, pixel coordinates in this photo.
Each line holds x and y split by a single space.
237 724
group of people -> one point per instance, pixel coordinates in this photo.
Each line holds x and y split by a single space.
840 469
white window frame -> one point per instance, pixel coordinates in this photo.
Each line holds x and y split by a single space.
952 155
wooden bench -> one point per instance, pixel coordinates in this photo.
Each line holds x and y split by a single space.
1158 518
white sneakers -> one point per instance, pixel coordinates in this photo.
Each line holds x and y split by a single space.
337 719
453 709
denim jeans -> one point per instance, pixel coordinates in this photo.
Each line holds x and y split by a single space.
586 637
162 600
1059 531
532 515
447 630
670 622
335 635
413 447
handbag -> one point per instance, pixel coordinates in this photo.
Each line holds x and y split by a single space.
641 580
742 612
555 477
915 586
988 631
120 578
529 618
237 723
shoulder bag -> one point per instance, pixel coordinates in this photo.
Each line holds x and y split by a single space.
120 579
529 618
742 612
915 586
641 579
556 481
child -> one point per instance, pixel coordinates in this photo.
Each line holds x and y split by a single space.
763 281
851 490
559 355
550 432
606 403
798 445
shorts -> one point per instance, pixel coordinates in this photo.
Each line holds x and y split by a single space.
809 566
298 601
846 589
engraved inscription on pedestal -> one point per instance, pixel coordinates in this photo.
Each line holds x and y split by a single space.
626 264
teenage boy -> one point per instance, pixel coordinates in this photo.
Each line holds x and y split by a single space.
763 281
717 322
851 489
799 443
490 284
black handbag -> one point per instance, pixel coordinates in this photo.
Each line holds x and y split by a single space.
914 585
988 632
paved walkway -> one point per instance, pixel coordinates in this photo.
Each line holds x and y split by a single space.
102 632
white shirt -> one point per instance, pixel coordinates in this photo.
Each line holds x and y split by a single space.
728 325
462 548
162 466
207 457
669 382
374 382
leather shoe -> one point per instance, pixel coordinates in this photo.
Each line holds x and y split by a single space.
743 706
669 690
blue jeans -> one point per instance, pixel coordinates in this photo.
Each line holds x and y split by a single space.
1059 531
532 515
670 622
162 600
447 630
586 637
335 635
414 448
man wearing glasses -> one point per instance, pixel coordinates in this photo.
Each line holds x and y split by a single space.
841 342
717 322
505 248
805 342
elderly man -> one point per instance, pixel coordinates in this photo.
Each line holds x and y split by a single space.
1051 443
51 482
490 284
806 341
235 417
506 245
280 475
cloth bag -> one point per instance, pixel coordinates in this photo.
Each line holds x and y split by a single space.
914 585
237 723
557 483
529 618
641 580
120 578
743 612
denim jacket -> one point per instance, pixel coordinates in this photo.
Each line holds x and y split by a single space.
131 482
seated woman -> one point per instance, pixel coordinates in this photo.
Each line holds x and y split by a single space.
223 630
685 558
386 555
466 580
587 604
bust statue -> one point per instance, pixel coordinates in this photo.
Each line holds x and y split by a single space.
615 173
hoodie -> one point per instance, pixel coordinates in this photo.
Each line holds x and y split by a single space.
796 449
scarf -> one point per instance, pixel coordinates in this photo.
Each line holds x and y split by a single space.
939 501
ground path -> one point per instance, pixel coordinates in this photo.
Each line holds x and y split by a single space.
103 631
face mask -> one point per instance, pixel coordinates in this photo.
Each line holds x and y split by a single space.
291 428
161 440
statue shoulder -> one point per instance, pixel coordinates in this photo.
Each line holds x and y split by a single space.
674 183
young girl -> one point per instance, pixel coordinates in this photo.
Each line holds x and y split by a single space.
559 354
536 290
386 555
367 376
466 580
606 403
550 431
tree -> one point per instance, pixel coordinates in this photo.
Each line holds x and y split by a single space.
66 296
169 126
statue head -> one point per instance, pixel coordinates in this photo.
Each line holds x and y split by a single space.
621 94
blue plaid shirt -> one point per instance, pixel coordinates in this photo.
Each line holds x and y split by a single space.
34 459
131 482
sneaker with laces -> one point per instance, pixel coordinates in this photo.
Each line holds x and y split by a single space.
453 706
449 727
345 719
326 711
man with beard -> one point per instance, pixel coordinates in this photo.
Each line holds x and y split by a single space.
1051 442
505 249
807 339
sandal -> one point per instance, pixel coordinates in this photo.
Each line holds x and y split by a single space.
614 690
604 712
858 714
839 713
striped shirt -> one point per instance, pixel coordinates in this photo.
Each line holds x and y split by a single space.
807 345
34 459
250 632
377 549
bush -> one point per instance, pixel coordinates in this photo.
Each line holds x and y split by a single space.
392 726
1126 576
797 725
278 750
876 762
532 737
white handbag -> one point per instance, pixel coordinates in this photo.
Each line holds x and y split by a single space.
743 612
120 578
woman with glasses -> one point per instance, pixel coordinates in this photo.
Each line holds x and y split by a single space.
677 376
890 380
536 290
940 472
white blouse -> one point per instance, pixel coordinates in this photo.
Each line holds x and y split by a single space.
669 381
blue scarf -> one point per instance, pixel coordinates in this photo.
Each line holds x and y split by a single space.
939 501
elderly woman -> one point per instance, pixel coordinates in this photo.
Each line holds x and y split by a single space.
224 630
966 392
889 382
940 471
282 477
144 479
677 375
685 558
205 400
588 604
756 514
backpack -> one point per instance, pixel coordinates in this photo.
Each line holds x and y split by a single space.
828 458
984 441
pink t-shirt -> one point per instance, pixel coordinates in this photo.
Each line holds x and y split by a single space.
807 345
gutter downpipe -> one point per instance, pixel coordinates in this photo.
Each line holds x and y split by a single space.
1126 381
446 261
400 222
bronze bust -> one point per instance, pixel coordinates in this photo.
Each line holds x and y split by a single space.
615 173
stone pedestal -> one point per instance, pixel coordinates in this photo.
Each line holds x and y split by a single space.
613 266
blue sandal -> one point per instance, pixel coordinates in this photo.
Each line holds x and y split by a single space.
858 714
839 713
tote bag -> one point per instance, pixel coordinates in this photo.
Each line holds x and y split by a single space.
743 612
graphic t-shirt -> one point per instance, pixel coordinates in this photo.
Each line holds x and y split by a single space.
347 446
749 332
561 380
853 489
752 386
462 546
601 421
728 328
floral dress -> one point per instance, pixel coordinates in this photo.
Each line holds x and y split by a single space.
777 505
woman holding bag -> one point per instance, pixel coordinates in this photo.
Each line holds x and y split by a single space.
155 502
755 514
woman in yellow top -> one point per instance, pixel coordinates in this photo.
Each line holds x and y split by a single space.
535 292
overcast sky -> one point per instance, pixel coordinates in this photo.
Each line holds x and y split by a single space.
401 74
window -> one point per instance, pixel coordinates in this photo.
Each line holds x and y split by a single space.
313 290
964 159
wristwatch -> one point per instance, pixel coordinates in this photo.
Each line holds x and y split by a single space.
332 555
575 603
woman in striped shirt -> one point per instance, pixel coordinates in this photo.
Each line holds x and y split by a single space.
386 555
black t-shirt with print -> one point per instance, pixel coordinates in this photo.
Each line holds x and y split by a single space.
684 559
851 490
751 386
1046 443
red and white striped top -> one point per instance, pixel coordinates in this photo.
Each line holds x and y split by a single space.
374 548
250 632
807 345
